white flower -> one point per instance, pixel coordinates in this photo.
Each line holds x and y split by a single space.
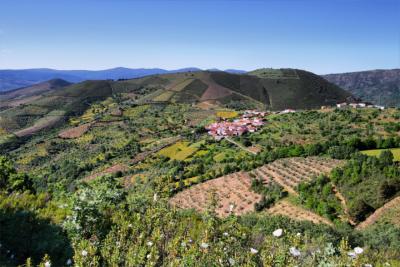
204 245
47 264
155 197
130 225
149 243
84 253
148 256
277 232
231 261
231 206
69 262
298 234
351 254
225 234
294 251
183 244
253 251
358 250
367 265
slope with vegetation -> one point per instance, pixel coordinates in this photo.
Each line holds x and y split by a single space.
381 87
95 189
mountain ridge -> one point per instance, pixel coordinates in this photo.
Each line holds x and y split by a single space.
16 78
379 86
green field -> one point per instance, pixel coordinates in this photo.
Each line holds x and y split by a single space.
178 151
377 152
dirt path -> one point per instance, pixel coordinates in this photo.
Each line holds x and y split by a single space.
285 208
344 204
240 146
378 213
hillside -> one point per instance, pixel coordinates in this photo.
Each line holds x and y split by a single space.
381 87
22 109
43 107
114 171
13 79
24 95
301 90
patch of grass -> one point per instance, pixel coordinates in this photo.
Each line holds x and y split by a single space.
136 111
377 152
219 157
181 85
166 96
178 151
227 114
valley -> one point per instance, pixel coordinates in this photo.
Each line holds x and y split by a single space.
109 146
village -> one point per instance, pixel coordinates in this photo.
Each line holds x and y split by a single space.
359 105
250 121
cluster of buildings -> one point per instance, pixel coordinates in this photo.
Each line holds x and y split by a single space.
250 121
358 105
253 113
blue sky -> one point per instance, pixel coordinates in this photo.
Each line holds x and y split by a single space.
316 35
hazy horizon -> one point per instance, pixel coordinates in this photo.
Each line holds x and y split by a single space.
322 37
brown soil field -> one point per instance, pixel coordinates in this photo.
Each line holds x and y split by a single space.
290 210
111 170
18 102
232 189
207 105
290 172
214 91
235 188
75 132
379 213
41 124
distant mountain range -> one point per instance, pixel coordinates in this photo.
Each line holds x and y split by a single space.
12 79
377 86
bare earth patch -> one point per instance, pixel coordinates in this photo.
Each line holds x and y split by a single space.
290 172
286 208
207 105
75 132
41 124
232 190
214 90
111 170
394 203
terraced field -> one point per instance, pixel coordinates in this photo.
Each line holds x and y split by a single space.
235 189
178 151
390 212
111 170
286 208
179 85
290 172
232 193
75 132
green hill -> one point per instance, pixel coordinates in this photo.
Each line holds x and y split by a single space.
274 89
62 103
381 87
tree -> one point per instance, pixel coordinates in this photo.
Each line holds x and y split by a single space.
11 180
386 158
